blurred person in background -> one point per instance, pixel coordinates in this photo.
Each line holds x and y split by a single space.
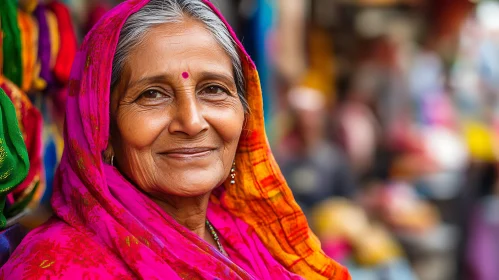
476 82
314 167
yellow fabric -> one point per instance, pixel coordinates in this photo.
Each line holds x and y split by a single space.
340 219
321 73
263 200
29 41
480 141
55 40
28 5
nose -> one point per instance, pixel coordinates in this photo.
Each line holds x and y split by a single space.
187 117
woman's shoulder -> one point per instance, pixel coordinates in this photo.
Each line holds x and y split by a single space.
56 250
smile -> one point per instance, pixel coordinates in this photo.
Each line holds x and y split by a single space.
188 153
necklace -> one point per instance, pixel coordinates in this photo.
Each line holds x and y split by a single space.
215 237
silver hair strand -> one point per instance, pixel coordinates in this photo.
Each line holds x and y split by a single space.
158 12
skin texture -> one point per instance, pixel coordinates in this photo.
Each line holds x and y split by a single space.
175 138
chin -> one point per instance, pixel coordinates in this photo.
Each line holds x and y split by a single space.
183 191
193 184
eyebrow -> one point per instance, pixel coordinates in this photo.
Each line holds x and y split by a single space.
204 75
148 80
226 78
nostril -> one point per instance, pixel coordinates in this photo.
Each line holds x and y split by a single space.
188 119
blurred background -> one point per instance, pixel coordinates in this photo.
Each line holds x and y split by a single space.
384 118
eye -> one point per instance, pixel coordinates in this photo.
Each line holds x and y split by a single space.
214 90
151 94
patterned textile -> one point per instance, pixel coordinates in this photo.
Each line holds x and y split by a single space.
30 123
29 41
106 228
14 161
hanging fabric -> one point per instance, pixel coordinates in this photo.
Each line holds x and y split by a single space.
29 43
67 50
44 47
12 67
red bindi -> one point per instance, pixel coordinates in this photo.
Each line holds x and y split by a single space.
185 75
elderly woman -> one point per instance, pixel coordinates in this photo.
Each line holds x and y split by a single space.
167 173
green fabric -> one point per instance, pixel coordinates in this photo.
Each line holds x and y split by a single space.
14 160
21 205
12 55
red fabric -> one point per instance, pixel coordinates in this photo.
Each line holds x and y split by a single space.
69 46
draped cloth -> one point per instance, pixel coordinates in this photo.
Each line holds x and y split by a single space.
55 40
12 64
29 42
67 50
14 161
30 123
105 228
44 76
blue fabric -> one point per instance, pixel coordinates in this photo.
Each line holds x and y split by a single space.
50 162
256 31
10 238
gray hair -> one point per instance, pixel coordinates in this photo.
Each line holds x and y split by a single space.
158 12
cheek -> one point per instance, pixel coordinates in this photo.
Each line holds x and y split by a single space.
139 128
228 122
137 131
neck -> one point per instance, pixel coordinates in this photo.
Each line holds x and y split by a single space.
187 211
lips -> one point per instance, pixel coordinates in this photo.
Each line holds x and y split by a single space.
186 153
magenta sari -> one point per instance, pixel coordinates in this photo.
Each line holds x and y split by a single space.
104 228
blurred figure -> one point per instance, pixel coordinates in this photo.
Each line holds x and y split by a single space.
314 167
483 242
358 131
367 248
475 79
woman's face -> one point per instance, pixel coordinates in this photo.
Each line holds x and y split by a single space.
176 113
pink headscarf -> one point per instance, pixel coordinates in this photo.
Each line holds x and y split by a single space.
106 228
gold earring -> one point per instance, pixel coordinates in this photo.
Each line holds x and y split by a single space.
233 174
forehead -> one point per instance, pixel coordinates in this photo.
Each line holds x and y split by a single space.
174 48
